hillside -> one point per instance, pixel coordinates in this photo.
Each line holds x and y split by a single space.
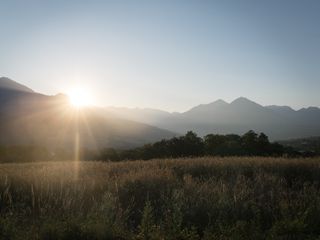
29 118
8 84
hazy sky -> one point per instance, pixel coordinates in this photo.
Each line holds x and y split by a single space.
165 54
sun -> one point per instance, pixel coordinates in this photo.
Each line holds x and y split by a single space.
80 97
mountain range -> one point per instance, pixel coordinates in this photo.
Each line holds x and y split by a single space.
31 118
239 116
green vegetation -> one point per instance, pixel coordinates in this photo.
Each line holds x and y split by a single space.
199 198
190 145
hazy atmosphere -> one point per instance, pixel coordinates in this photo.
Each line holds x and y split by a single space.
159 120
169 55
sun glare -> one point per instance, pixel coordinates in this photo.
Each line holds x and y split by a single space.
79 97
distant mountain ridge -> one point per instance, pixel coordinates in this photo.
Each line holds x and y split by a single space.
8 84
30 118
239 116
25 115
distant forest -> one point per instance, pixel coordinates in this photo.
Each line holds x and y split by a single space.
189 145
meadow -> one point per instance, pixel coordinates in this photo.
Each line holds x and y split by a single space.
186 198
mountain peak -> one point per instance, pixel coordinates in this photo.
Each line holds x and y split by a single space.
219 102
209 106
8 84
243 100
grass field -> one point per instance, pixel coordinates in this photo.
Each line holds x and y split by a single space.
200 198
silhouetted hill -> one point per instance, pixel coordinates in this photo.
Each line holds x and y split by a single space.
239 116
29 118
8 84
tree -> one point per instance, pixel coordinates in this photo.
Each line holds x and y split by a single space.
192 144
263 145
249 142
213 143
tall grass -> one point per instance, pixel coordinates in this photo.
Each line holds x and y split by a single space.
200 198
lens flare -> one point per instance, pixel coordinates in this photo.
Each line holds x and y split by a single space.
79 97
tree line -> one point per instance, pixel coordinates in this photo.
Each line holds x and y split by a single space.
188 145
191 145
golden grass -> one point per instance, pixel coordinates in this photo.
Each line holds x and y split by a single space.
202 197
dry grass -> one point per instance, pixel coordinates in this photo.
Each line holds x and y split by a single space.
209 198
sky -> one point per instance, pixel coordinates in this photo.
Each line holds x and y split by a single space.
170 55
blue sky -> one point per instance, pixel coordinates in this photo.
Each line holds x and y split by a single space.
165 54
